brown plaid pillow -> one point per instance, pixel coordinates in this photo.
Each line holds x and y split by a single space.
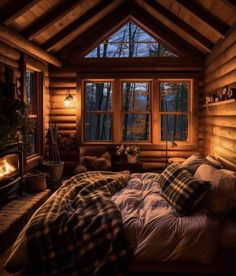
181 189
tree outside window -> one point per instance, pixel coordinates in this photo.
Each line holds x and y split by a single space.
174 107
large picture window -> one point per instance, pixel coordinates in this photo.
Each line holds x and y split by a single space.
98 111
150 111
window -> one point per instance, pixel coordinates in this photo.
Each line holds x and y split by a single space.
135 111
174 110
130 41
98 111
32 97
146 111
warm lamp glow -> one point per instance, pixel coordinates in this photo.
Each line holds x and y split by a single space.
68 99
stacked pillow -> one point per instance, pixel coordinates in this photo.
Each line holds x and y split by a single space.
196 160
221 197
181 189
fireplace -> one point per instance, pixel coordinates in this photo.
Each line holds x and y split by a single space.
11 171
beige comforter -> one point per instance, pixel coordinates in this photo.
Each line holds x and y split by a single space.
154 231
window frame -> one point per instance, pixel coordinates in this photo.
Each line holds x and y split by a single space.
189 113
127 80
155 118
83 112
38 85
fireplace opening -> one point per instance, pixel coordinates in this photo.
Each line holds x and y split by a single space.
11 171
9 166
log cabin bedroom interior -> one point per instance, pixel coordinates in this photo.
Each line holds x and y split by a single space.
117 137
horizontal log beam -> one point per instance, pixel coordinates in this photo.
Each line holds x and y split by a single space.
9 61
226 121
221 82
156 64
226 132
9 52
13 38
222 46
219 72
225 56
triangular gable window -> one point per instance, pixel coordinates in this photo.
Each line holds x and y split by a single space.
130 41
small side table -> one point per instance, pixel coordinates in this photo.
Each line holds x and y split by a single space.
177 160
132 167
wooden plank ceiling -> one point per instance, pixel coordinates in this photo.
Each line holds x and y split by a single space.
61 26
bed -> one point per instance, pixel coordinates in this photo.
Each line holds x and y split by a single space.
100 222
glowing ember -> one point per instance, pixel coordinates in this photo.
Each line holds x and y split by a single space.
5 168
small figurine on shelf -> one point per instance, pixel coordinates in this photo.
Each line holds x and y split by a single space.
231 93
224 93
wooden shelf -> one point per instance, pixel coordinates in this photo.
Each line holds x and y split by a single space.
220 103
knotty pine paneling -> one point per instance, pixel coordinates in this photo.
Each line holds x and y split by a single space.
220 121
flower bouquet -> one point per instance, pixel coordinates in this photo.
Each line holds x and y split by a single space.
129 153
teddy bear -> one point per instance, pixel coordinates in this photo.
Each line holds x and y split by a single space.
94 163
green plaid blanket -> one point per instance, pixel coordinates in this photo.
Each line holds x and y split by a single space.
79 230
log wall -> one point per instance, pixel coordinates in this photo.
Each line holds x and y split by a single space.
65 117
220 119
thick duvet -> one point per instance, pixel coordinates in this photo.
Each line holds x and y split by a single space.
154 231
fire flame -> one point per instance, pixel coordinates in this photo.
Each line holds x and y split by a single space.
5 168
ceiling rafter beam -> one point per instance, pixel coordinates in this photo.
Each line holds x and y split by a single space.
89 39
165 35
7 35
180 23
49 18
15 9
206 16
75 25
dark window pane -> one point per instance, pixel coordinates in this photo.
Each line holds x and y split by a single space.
136 127
30 93
98 96
31 139
174 127
135 96
98 126
174 96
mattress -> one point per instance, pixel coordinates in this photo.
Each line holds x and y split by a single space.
154 231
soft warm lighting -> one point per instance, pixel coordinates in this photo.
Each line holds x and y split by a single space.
68 99
5 168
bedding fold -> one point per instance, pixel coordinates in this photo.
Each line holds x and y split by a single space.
79 229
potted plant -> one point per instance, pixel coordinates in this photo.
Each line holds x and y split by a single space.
54 167
14 117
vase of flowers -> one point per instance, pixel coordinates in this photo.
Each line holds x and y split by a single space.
129 153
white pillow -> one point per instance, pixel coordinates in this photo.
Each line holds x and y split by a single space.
221 197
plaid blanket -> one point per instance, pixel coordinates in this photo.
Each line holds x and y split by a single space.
79 230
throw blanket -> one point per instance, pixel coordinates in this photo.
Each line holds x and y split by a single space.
79 230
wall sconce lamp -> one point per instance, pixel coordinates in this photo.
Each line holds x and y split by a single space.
68 99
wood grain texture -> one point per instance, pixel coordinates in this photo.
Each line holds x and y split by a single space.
19 42
220 120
